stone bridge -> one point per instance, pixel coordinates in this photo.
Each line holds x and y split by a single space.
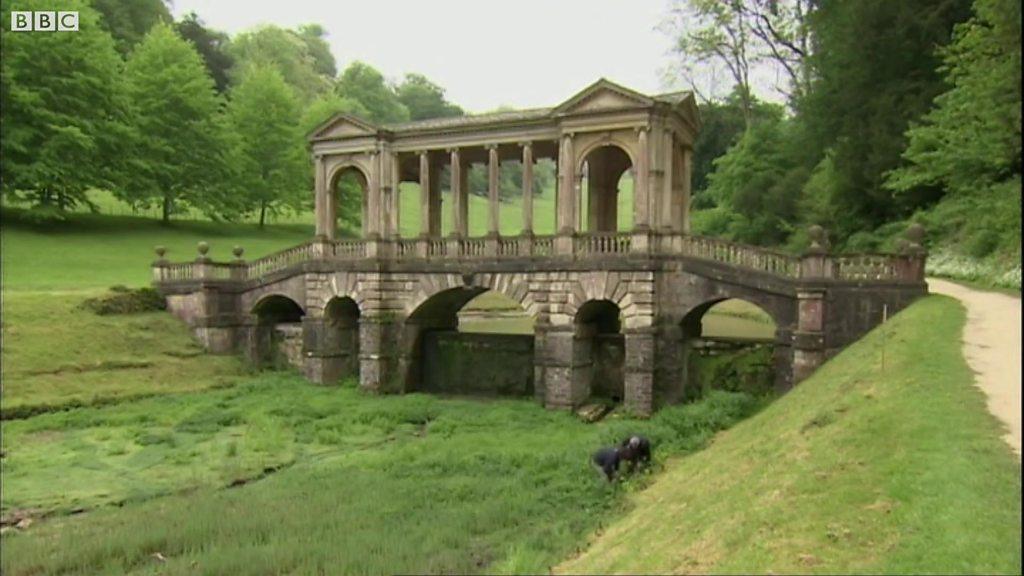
364 306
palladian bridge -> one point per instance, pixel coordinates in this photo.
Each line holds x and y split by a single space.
369 306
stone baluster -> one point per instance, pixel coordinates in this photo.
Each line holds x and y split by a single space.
159 265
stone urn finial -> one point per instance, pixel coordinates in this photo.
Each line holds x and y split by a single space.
238 251
819 240
915 238
203 248
903 246
160 251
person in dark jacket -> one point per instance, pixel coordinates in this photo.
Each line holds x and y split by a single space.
606 460
635 450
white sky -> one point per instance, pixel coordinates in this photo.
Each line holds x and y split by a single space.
485 53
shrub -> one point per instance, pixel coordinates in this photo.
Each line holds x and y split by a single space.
123 300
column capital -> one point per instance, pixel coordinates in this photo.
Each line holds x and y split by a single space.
452 150
526 144
491 146
643 128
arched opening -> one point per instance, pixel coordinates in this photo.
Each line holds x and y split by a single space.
277 334
602 349
607 190
341 334
729 344
349 190
470 341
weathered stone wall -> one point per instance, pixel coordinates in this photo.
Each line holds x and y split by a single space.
287 345
609 356
459 362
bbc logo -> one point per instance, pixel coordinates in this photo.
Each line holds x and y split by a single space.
44 21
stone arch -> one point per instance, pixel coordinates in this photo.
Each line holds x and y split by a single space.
276 332
603 164
513 286
334 175
624 289
340 341
597 327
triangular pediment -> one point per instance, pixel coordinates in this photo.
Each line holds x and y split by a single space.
603 95
342 125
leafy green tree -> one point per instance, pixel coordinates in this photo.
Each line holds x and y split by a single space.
264 116
365 84
285 50
875 72
211 44
971 139
65 126
424 99
182 155
723 124
128 21
313 35
758 182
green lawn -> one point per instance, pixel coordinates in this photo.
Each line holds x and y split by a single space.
854 471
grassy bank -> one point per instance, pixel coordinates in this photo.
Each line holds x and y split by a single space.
856 470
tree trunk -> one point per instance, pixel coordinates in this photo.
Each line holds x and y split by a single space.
263 212
167 210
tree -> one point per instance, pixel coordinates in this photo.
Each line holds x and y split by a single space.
211 44
722 126
285 50
365 84
424 99
323 61
784 36
758 181
326 106
875 72
264 116
712 33
971 139
64 113
128 21
183 153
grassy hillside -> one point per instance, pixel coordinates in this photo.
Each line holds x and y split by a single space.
856 470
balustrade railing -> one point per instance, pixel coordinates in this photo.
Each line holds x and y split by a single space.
603 243
865 267
857 267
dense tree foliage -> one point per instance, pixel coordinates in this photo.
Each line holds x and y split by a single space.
424 99
211 44
64 113
128 21
365 84
272 163
286 50
182 153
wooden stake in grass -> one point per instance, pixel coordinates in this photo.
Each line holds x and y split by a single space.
885 317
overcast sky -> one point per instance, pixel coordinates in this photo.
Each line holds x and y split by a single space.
485 53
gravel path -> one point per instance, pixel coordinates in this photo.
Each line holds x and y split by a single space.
992 347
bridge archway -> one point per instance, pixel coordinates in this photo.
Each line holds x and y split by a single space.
607 171
469 340
731 343
349 186
276 340
601 352
341 337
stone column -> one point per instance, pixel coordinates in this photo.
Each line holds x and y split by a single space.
561 359
424 195
567 187
639 370
809 337
527 189
320 198
323 359
493 199
684 221
458 223
641 192
395 224
371 220
435 198
665 206
379 353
